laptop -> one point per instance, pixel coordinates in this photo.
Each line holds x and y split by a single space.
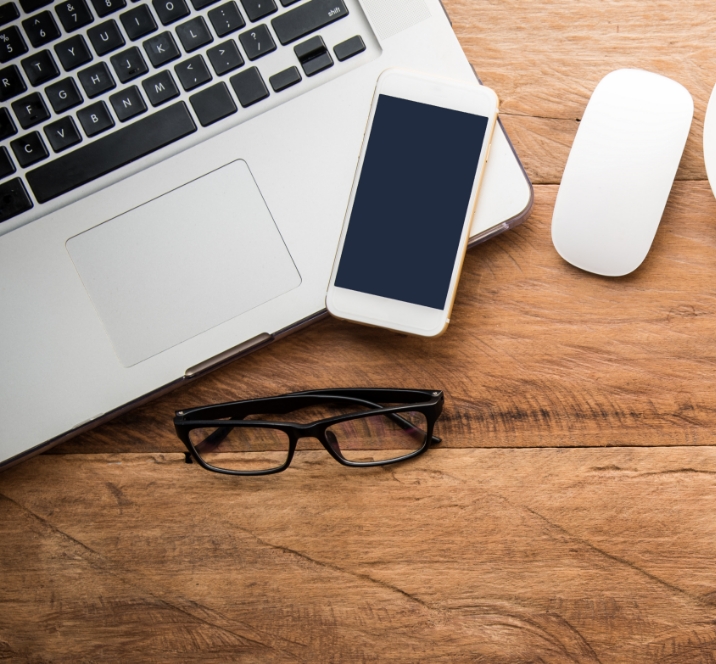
174 175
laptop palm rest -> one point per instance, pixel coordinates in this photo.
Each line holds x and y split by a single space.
168 270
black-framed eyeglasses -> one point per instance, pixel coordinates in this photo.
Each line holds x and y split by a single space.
358 427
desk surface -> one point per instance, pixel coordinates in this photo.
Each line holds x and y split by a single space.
567 517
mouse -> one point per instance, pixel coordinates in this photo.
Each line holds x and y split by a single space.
620 171
710 140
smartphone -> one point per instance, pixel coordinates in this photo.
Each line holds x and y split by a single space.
406 228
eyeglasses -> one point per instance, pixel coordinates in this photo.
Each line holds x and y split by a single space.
239 439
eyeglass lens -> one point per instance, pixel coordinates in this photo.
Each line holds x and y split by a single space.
241 448
379 437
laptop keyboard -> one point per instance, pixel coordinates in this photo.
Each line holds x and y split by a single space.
88 86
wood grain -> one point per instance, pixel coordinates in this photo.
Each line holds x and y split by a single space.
567 516
481 555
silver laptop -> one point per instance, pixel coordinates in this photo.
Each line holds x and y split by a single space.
174 176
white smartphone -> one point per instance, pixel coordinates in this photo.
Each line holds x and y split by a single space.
406 228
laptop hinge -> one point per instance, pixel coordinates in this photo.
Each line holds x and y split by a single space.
227 355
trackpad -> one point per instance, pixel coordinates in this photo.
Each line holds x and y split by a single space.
183 263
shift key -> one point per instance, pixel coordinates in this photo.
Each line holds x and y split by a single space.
307 18
107 154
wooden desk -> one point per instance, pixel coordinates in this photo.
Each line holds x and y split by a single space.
569 514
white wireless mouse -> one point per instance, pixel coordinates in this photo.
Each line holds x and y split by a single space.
710 140
620 171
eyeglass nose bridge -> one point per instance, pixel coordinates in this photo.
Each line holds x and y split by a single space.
322 434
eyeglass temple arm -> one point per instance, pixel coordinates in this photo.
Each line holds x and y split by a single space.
405 424
215 439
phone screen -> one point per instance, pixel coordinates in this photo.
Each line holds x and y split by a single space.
411 201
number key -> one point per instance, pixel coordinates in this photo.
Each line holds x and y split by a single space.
8 12
41 28
30 6
257 42
74 14
105 7
11 44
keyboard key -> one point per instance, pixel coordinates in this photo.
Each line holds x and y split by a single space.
29 149
7 167
110 152
200 4
249 87
41 29
63 134
138 22
11 44
161 49
40 68
107 7
170 10
129 64
225 57
194 34
30 110
13 199
192 73
160 88
95 118
73 52
226 19
7 126
349 48
96 79
213 104
128 103
257 9
319 63
74 14
29 6
307 18
285 79
106 37
8 12
257 42
11 83
63 95
313 55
